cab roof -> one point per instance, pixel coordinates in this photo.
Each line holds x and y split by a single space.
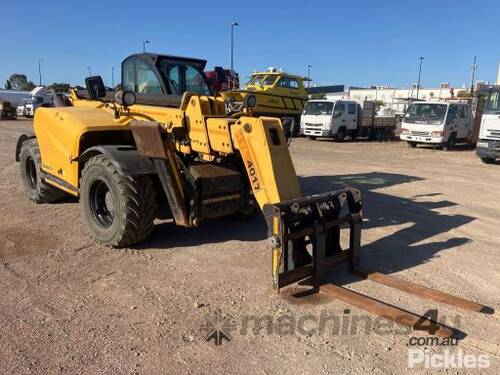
278 73
156 56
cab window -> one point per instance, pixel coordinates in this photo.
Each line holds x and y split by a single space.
464 111
339 109
269 80
146 80
351 108
140 78
452 112
289 83
184 77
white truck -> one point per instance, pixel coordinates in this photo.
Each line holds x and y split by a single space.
488 146
442 124
345 118
38 97
14 97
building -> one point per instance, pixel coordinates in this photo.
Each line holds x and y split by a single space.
394 98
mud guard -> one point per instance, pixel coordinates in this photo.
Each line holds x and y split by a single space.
126 159
23 138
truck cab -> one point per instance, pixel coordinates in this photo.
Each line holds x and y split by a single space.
38 97
329 118
488 146
437 123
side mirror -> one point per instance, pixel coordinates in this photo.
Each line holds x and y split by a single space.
95 87
125 98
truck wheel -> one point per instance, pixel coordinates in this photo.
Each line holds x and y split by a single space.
340 135
488 160
118 210
312 137
37 190
412 144
451 143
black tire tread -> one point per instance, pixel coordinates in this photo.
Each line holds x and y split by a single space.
45 193
138 209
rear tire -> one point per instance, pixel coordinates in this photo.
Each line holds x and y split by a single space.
118 210
37 190
488 160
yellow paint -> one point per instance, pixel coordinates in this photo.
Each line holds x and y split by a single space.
269 166
273 98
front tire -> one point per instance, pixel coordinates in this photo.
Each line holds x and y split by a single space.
37 190
451 143
312 137
341 134
412 144
118 210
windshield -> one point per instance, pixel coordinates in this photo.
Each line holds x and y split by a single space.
262 79
318 108
492 103
427 114
184 77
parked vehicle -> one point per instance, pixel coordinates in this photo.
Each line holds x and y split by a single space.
488 146
7 111
438 123
38 97
221 79
345 118
14 97
272 93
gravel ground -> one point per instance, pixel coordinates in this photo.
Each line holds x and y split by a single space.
69 305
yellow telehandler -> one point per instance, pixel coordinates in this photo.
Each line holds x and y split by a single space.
162 138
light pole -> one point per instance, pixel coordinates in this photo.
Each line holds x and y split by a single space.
233 24
421 58
40 71
112 78
144 45
474 68
90 71
309 66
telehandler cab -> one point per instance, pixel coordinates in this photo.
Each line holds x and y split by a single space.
162 138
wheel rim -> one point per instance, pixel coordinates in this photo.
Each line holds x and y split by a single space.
31 176
101 203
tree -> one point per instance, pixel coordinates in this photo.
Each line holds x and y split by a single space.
8 86
20 82
60 87
463 94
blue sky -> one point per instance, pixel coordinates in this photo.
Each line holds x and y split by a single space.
348 42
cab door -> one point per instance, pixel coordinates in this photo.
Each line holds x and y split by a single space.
465 128
452 120
351 116
339 116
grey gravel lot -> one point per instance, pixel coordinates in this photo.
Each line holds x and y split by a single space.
69 305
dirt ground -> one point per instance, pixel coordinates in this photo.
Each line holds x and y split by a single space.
69 305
